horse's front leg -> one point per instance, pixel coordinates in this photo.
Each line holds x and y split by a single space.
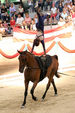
25 94
54 86
32 91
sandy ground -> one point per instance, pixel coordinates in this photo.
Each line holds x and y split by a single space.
12 91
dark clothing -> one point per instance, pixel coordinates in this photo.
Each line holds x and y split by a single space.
40 23
42 42
3 10
40 27
60 9
7 18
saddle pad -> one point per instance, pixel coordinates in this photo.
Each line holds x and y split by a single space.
44 62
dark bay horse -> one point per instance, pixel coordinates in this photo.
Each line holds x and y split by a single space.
32 73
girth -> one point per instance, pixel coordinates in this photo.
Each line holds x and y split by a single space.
44 62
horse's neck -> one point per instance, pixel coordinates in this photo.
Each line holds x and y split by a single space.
30 60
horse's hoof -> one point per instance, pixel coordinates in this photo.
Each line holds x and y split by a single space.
55 94
35 99
22 106
42 99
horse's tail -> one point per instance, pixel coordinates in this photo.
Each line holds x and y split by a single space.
57 75
56 57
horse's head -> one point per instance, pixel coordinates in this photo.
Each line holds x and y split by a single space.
22 60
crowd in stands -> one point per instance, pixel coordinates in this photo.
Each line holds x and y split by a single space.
59 11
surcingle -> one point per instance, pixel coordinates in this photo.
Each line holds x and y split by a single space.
44 62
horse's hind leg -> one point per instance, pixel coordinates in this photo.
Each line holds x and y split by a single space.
54 86
32 91
25 93
47 87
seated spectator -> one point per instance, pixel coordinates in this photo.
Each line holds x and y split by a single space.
15 15
61 22
7 7
27 20
7 18
23 25
60 7
0 9
12 9
35 18
64 15
53 13
59 11
40 3
47 4
73 17
30 5
57 3
3 12
21 10
12 22
2 29
19 21
5 24
33 25
8 30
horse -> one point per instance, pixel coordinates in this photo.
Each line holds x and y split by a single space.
32 71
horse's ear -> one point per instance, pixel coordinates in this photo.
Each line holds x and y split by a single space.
19 52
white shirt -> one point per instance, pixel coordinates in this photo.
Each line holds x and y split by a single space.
54 10
20 10
64 15
19 20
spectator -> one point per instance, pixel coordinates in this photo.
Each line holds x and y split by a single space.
27 20
5 24
64 15
21 10
57 3
8 30
7 7
53 13
7 18
35 18
12 22
3 12
12 10
30 5
0 9
23 25
33 25
41 4
60 7
47 4
61 22
73 17
59 11
15 15
2 29
19 21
